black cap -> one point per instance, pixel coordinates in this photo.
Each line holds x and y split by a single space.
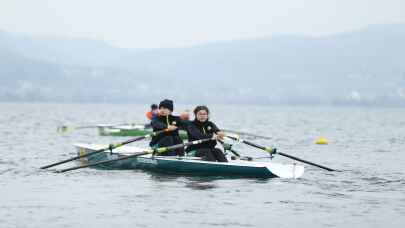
167 104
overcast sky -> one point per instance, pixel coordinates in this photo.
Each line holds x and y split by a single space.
176 23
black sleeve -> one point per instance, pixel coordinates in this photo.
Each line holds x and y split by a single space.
195 133
183 124
157 124
215 129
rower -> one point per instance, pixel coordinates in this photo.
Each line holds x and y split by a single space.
202 128
153 111
165 120
185 115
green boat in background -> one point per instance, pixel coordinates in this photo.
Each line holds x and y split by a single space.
129 130
186 165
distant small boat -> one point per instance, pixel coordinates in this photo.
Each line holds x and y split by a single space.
187 165
129 130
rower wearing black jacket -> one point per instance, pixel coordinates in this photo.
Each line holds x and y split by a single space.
202 128
165 120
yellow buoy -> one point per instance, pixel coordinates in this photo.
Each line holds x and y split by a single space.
321 141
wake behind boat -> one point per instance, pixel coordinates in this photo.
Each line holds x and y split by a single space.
186 165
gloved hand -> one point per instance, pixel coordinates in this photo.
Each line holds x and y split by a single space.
227 146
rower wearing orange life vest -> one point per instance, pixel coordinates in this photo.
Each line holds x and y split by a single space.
185 115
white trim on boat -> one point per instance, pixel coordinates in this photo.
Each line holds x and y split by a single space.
281 170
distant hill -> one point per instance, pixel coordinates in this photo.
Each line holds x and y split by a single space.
363 67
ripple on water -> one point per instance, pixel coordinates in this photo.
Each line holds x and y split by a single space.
355 196
200 186
227 224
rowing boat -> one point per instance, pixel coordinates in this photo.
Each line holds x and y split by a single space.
186 165
129 130
123 130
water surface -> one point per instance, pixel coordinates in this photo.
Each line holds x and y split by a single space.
366 144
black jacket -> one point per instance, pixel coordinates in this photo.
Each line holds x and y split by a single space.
159 123
201 130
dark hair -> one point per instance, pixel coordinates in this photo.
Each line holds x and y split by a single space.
201 107
153 106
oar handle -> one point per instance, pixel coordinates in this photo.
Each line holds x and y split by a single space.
170 148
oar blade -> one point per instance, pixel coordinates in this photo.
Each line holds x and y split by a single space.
286 171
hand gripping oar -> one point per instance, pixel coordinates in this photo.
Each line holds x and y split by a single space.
229 147
274 151
110 147
150 151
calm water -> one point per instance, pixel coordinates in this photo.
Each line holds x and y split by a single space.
368 145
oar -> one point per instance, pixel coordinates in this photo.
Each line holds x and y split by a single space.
245 133
150 151
110 147
274 151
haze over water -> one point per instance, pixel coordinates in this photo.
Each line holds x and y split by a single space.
366 144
